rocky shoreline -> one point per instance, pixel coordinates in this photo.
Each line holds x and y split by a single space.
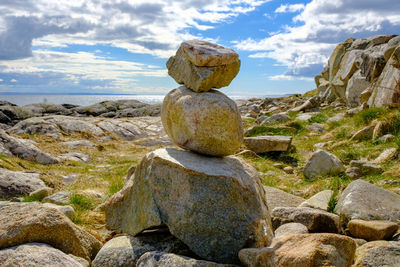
303 180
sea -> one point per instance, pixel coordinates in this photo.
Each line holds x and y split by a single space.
85 100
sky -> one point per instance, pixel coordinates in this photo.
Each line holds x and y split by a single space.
121 46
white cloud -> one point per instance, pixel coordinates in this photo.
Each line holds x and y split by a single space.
13 80
289 8
1 80
305 46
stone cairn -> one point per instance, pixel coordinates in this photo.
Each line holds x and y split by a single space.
213 202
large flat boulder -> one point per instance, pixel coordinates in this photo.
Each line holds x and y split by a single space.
267 143
12 146
365 201
22 223
214 205
208 123
322 163
14 184
201 65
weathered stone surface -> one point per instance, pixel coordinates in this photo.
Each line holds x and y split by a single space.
10 145
336 117
126 250
372 230
267 143
14 184
279 198
202 78
177 188
355 86
364 133
59 198
41 192
322 163
388 256
309 104
70 124
78 143
366 167
290 228
36 254
318 201
67 210
302 250
158 258
33 222
316 221
386 155
202 53
316 128
36 125
275 118
75 156
353 173
198 122
387 138
364 250
356 202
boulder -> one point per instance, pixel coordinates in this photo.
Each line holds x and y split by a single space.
10 145
279 198
36 125
309 104
36 254
322 163
214 205
218 66
355 86
364 133
318 201
316 221
22 223
353 173
13 184
75 156
158 258
377 253
366 167
198 122
290 228
125 130
336 117
59 198
267 143
303 250
372 230
275 118
355 202
126 250
66 209
71 124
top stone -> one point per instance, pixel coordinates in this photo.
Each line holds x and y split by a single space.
202 53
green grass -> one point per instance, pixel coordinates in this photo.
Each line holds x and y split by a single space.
270 130
81 202
364 117
28 198
318 118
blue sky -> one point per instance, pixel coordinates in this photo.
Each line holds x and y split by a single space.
111 46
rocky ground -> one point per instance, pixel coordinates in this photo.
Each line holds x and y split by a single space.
330 172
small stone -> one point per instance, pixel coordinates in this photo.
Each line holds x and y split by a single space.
364 133
67 210
248 153
366 167
69 179
288 170
387 138
378 130
336 117
372 230
78 143
279 198
59 198
267 143
318 201
353 173
75 156
316 128
322 163
386 155
41 192
290 228
275 118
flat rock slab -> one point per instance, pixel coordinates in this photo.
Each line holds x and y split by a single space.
307 250
22 223
222 70
59 198
214 205
365 201
279 198
290 228
13 184
267 143
316 221
78 143
126 250
318 201
372 230
36 254
75 156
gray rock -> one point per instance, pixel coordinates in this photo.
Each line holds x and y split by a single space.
386 155
4 118
322 163
387 138
378 253
336 117
372 230
364 133
290 228
275 118
366 167
353 173
10 145
212 204
126 250
36 254
67 210
22 223
316 221
69 179
310 103
40 109
305 116
59 198
150 110
267 143
356 202
75 156
41 192
35 126
157 258
316 128
14 184
203 78
318 201
78 143
70 124
279 198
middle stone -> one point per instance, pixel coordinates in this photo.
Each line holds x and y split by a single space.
208 123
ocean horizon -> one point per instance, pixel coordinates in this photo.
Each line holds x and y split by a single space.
89 99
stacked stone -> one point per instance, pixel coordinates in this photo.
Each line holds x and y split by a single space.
213 202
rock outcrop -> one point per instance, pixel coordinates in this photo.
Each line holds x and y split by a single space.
363 71
176 188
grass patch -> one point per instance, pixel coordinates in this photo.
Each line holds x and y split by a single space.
364 117
270 130
318 118
28 198
81 202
